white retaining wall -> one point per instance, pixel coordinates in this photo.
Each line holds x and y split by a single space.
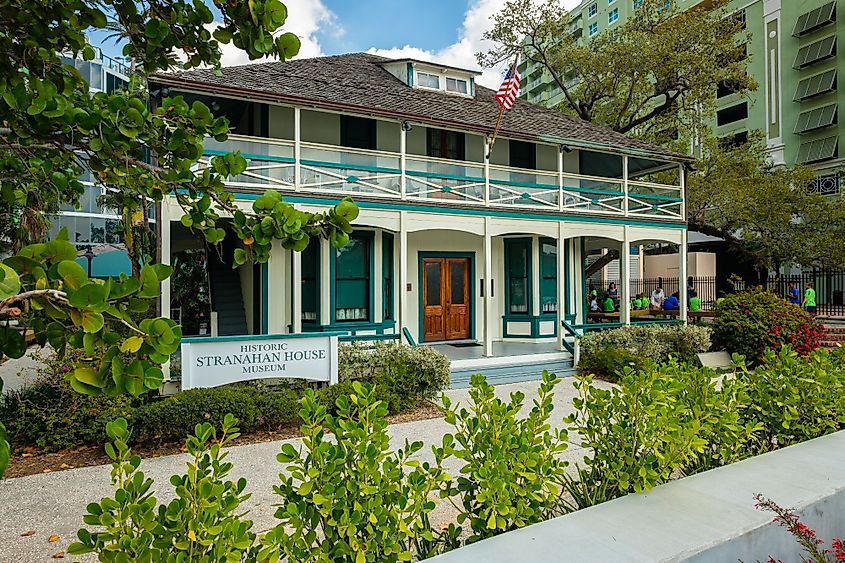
709 517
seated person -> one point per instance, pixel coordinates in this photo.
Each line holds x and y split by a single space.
672 302
694 302
643 301
613 293
657 297
608 306
594 304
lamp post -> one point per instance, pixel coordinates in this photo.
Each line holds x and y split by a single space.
89 254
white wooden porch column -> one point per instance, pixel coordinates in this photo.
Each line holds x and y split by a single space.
486 172
325 283
296 293
536 275
403 273
164 228
625 274
625 183
489 316
562 274
403 148
682 274
297 148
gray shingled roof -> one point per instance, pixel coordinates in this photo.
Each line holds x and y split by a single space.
358 81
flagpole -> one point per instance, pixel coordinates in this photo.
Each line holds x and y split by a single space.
501 110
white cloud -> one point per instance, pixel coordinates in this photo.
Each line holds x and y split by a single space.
306 18
477 20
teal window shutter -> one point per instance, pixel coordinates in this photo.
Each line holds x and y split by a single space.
387 275
352 287
548 276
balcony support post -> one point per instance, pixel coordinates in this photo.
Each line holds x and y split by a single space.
625 183
403 275
297 148
486 172
683 174
296 294
560 182
562 276
682 275
625 271
403 147
489 315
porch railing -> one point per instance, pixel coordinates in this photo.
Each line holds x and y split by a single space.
330 169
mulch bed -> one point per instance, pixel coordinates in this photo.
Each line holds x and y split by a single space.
33 463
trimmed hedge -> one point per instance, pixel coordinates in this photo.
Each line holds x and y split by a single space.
751 322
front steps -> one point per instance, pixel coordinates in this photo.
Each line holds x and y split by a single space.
512 369
834 335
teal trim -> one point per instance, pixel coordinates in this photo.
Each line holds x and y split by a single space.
317 284
593 192
342 166
410 74
472 179
191 339
369 337
655 197
408 337
370 238
421 314
398 205
524 184
265 292
351 328
387 279
541 276
535 326
249 156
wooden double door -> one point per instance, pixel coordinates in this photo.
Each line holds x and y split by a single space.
446 299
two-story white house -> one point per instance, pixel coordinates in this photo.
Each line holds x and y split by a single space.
456 243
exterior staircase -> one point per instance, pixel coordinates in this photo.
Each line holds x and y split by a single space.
226 297
512 370
834 334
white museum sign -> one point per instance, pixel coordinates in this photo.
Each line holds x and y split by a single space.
214 361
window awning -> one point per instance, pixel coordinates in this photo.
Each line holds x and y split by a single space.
818 150
816 119
816 85
815 19
814 52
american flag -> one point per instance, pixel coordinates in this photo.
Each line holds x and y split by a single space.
509 89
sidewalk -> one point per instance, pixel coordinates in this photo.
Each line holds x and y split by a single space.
54 503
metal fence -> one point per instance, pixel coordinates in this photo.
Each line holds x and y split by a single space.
829 286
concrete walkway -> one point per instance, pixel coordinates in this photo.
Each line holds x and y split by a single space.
54 503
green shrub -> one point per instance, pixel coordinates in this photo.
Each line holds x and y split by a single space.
203 522
609 363
653 342
350 498
512 473
404 375
751 322
255 406
51 416
794 398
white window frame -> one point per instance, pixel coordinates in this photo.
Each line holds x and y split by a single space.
593 29
590 9
457 80
437 76
614 11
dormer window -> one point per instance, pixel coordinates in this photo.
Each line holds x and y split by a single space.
456 85
426 80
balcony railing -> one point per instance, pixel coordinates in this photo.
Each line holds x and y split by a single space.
329 169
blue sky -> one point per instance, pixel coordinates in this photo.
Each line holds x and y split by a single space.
447 31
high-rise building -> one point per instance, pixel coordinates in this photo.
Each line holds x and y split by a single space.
792 54
90 224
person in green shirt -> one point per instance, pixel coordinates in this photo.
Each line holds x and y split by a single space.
608 306
694 302
809 302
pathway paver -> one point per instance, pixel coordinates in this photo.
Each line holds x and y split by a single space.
53 503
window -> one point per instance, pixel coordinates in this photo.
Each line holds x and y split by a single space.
310 267
427 80
638 3
456 85
352 279
726 88
593 29
815 19
732 114
735 140
387 275
518 260
818 150
816 119
816 85
523 154
548 276
613 15
815 52
740 18
592 10
357 132
446 144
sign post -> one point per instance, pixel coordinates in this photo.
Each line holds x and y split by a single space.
215 361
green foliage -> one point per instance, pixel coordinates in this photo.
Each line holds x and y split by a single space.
610 363
255 407
403 375
792 397
751 322
202 523
49 415
349 498
512 473
607 352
